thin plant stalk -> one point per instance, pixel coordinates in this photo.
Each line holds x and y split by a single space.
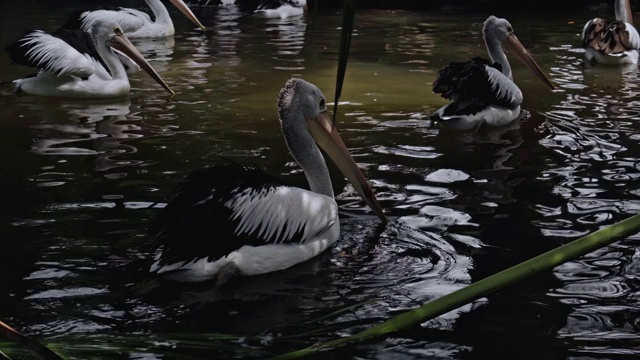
348 18
39 350
486 286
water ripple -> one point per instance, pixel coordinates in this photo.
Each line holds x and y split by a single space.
406 268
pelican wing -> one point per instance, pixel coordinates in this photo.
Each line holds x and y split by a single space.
619 37
474 85
78 18
132 20
128 19
592 33
219 209
64 52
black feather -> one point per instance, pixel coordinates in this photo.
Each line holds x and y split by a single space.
274 4
196 224
17 54
74 21
468 85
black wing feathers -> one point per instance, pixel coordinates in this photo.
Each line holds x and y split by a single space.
467 83
74 21
196 224
464 79
17 54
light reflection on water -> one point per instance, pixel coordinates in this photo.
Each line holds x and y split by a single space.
593 132
463 205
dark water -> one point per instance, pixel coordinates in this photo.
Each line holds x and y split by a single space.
81 179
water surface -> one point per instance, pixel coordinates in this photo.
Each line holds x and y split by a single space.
81 179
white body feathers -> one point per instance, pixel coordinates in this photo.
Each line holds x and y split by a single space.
135 23
278 213
66 72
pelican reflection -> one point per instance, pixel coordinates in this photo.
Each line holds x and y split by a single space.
99 129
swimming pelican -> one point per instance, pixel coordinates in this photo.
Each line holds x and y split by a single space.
280 8
615 43
135 23
74 63
483 91
229 220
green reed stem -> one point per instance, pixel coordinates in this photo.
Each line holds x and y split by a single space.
486 286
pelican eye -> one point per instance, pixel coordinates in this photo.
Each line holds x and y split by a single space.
510 29
323 103
117 30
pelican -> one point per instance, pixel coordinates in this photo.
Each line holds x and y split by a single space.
281 8
483 91
74 63
135 23
228 220
614 43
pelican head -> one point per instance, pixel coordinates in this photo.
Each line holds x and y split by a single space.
188 13
304 119
111 34
498 32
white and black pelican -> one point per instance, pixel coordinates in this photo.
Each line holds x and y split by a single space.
614 43
135 23
280 8
483 91
74 63
229 220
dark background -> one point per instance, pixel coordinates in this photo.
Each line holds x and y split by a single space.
542 5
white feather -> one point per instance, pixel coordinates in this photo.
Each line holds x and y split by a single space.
282 12
127 21
132 66
250 260
54 55
634 38
283 211
134 23
503 87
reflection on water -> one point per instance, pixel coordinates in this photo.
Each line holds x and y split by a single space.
287 36
228 35
86 177
592 132
158 51
104 130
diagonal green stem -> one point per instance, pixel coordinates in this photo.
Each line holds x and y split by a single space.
486 286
